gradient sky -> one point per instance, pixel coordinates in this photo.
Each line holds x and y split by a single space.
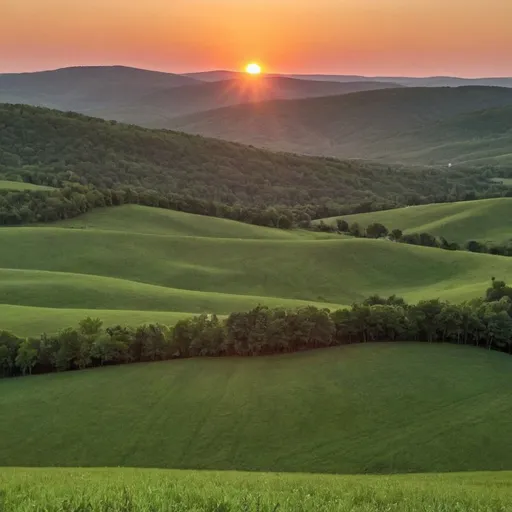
370 37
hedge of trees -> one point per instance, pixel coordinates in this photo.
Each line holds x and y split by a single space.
378 230
484 322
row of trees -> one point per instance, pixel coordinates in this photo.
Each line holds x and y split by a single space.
484 322
378 230
73 199
19 207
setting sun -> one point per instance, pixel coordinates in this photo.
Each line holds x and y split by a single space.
253 68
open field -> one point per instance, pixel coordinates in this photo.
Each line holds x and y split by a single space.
485 220
135 490
20 185
112 269
373 408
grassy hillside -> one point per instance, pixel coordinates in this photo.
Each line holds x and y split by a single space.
427 125
20 185
486 220
179 491
114 265
375 408
50 145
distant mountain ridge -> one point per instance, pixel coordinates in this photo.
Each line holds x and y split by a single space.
85 88
152 98
428 81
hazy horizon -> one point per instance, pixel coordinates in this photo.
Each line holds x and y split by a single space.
463 38
219 70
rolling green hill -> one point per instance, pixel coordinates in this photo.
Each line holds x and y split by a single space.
486 220
420 125
157 221
114 267
376 408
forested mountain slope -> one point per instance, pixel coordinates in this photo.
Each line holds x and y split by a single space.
50 147
426 125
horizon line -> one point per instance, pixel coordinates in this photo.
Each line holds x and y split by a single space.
285 74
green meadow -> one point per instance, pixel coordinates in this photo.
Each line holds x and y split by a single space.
134 264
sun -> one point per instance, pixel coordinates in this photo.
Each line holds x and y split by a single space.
253 68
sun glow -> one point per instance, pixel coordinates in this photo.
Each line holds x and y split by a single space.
253 68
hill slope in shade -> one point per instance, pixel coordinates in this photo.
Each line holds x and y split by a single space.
309 412
487 220
85 89
156 110
114 266
150 98
427 125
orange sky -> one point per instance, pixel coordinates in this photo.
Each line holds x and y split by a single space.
371 37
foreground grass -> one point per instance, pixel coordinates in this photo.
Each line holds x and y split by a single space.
486 220
132 490
375 408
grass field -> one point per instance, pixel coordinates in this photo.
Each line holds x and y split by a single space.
132 490
486 220
376 408
20 185
117 261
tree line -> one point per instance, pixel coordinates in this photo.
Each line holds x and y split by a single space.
485 322
377 230
72 199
